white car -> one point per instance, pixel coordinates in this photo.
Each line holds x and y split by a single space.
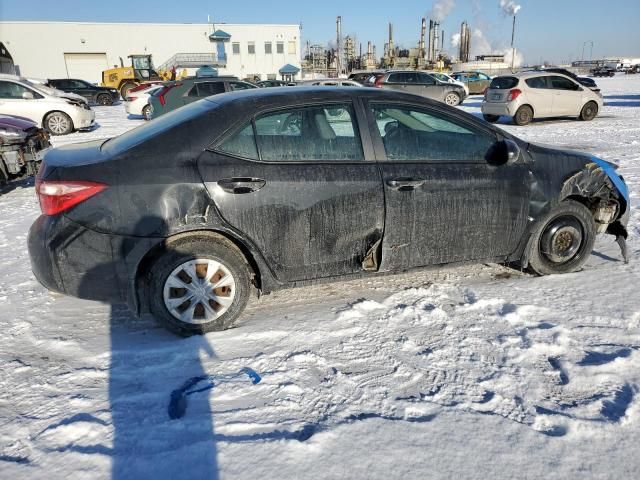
528 95
443 77
137 103
51 109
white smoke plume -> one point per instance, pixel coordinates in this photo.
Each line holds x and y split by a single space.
480 45
509 7
455 40
441 9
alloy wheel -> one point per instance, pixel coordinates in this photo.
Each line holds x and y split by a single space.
58 124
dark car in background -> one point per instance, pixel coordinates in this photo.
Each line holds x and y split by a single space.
362 77
421 83
586 81
93 93
188 90
273 83
268 189
603 72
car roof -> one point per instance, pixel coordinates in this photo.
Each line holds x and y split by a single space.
533 73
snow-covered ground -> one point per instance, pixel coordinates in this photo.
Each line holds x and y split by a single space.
474 372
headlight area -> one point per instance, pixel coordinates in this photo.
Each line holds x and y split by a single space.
78 103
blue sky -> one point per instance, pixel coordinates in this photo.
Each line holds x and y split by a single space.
553 30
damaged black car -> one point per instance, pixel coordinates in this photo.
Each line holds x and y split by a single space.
276 188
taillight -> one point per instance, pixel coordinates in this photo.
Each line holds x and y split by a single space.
378 82
164 91
58 196
513 94
130 99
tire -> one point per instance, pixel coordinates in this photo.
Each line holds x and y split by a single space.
589 111
491 118
104 100
523 116
125 87
548 251
146 112
196 257
58 123
452 99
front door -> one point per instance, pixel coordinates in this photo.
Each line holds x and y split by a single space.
444 202
566 96
429 87
301 189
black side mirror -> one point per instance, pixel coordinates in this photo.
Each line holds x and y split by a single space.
503 152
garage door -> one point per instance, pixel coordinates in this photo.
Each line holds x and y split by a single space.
86 66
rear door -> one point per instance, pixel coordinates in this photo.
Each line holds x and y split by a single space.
540 95
444 202
298 184
567 96
401 81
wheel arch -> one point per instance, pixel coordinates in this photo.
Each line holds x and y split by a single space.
54 111
138 291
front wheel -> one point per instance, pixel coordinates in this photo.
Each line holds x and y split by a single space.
199 285
146 112
452 99
563 239
105 100
58 123
491 118
589 111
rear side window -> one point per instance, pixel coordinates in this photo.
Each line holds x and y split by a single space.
241 144
537 82
503 83
205 89
310 133
403 78
416 135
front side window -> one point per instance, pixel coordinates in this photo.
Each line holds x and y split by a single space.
280 47
309 134
78 84
426 79
251 48
12 90
562 83
267 48
235 48
240 86
414 135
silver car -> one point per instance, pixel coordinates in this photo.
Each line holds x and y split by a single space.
529 95
423 84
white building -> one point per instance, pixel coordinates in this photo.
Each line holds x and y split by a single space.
84 50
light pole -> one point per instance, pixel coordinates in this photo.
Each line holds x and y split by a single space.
513 50
585 43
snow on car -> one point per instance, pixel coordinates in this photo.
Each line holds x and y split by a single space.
466 372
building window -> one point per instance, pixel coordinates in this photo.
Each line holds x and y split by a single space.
267 48
292 48
252 48
280 47
235 48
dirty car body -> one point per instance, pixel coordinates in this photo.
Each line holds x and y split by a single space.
302 185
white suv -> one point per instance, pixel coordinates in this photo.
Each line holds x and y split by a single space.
49 108
528 95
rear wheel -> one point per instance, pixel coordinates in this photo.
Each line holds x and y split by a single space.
452 99
589 111
563 239
200 285
146 112
124 89
104 99
523 116
58 123
491 118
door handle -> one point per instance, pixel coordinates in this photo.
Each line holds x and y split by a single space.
405 183
241 184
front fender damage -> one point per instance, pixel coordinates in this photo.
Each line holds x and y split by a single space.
605 194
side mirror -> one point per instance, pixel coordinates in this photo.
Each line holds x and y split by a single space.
503 152
27 96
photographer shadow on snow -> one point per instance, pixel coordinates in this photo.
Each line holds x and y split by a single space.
146 365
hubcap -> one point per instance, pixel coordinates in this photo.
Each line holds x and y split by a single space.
199 291
58 124
451 99
561 240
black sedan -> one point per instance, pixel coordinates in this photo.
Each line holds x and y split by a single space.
93 93
273 188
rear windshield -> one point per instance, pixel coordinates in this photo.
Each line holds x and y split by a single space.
159 125
503 83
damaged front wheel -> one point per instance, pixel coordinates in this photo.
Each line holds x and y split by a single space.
563 239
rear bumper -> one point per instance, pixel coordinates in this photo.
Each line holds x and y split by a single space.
502 109
69 258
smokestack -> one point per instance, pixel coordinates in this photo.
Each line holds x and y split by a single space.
391 48
339 46
430 52
442 41
465 42
423 33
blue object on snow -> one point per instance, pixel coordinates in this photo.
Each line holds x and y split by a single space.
178 401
